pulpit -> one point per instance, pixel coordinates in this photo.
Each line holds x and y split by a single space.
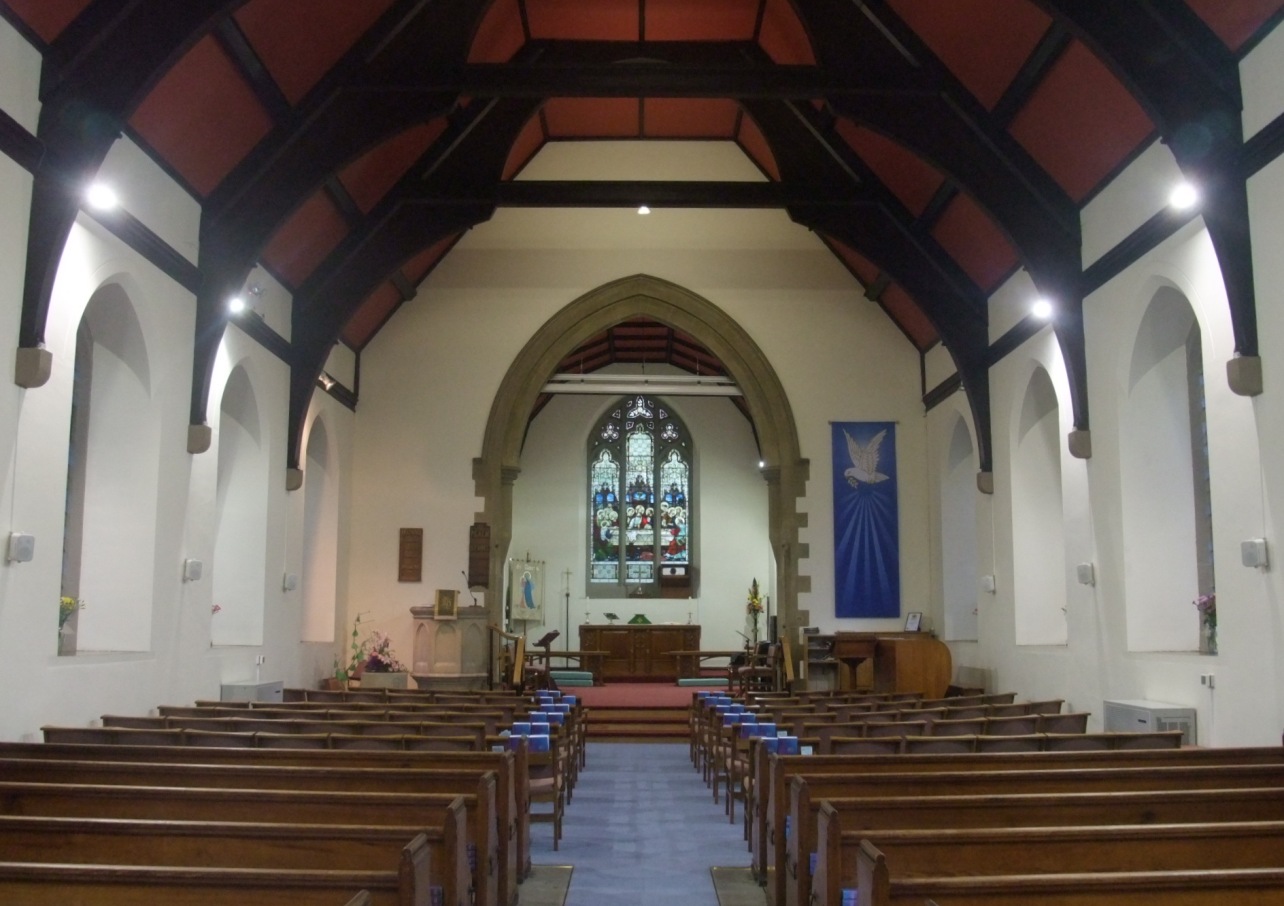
897 661
450 654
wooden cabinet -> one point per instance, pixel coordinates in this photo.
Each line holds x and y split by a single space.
639 652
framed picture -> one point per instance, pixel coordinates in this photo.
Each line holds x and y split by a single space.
447 604
913 620
526 590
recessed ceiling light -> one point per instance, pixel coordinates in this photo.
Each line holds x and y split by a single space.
236 305
1183 196
1041 309
762 463
101 196
643 210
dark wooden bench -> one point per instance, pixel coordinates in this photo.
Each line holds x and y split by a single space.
48 884
283 806
1040 850
412 857
808 793
512 801
513 796
771 798
871 814
1240 886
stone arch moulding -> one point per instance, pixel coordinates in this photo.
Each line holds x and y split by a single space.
641 295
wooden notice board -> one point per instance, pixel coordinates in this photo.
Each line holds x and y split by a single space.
410 555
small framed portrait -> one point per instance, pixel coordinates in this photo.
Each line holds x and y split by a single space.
913 620
447 604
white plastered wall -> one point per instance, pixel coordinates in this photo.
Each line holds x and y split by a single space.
428 380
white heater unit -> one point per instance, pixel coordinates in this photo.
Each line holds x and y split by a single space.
1137 716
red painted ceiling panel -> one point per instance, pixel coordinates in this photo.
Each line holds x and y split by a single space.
47 18
755 145
783 37
592 117
305 239
368 179
525 147
500 34
202 117
975 242
861 266
600 20
1235 21
418 267
298 42
370 315
689 118
983 42
911 179
1081 123
909 317
706 20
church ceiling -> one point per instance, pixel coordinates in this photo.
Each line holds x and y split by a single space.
935 146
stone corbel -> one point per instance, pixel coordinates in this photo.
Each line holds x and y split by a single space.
32 366
1080 443
199 438
1244 374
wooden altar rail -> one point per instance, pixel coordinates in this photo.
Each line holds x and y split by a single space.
689 662
585 660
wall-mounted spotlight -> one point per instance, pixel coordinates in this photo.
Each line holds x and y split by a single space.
1183 196
643 210
101 197
325 381
1041 309
236 304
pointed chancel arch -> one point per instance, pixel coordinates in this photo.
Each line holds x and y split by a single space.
642 296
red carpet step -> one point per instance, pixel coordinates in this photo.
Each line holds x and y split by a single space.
637 724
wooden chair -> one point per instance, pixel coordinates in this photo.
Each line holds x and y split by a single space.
761 673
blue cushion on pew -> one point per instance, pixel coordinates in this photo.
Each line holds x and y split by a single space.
539 742
787 745
521 728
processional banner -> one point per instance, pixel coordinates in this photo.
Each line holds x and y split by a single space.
526 587
867 555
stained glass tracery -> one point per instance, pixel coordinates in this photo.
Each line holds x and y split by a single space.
639 497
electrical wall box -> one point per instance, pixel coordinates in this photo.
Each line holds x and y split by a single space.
1138 716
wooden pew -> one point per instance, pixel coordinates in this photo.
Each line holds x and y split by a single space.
1041 850
51 884
871 814
809 792
411 856
512 799
1241 886
771 796
285 806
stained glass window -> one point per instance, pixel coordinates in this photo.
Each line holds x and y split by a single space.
640 507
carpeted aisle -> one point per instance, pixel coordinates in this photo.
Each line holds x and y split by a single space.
643 829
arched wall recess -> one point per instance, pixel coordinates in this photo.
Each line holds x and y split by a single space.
641 295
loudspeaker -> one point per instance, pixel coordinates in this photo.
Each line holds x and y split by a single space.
192 570
22 547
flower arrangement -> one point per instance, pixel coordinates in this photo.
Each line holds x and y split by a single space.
67 606
1207 607
754 608
379 655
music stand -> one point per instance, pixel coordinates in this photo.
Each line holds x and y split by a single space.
543 679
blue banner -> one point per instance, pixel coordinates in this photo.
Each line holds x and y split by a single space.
867 550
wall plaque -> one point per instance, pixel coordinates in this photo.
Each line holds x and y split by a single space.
410 555
479 555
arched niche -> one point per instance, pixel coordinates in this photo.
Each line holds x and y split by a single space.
641 295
